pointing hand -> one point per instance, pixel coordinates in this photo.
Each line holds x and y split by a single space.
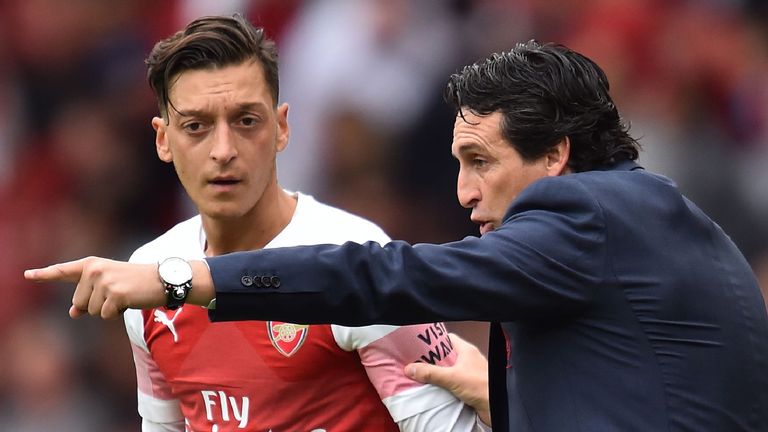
105 287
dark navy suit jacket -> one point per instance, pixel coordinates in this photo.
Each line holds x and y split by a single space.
625 307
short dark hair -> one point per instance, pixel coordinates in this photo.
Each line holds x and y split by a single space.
210 42
546 92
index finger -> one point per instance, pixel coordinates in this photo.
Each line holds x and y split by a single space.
70 271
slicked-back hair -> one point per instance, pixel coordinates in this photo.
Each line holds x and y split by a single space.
546 92
208 43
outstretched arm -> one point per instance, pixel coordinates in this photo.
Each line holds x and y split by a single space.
107 288
467 379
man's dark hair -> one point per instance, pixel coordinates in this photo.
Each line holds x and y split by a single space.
208 43
546 92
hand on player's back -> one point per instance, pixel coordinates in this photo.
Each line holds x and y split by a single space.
467 379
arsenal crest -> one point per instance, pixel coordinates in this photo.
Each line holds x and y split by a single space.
287 338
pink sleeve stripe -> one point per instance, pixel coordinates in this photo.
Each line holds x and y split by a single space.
385 358
149 379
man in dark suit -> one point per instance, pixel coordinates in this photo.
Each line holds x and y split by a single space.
617 304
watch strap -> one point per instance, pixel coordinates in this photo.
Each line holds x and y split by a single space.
176 294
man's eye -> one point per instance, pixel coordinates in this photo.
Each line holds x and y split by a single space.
193 127
479 162
248 121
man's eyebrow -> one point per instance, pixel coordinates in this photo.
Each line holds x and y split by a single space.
465 148
245 106
190 113
252 106
468 148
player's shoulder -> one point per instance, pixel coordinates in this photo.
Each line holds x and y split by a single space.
179 237
338 224
327 213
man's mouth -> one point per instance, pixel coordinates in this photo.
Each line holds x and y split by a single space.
486 227
224 179
224 183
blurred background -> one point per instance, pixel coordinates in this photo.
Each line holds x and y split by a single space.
370 133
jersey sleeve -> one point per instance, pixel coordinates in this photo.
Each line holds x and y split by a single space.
149 426
385 350
159 410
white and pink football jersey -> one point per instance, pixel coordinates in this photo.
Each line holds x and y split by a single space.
198 376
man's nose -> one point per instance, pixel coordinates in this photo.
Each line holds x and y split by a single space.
223 148
467 191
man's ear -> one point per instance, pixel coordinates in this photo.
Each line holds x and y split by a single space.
557 158
161 140
283 131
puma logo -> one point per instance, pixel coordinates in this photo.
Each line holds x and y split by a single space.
162 318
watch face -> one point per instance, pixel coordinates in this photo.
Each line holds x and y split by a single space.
175 271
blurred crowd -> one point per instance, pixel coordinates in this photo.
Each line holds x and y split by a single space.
370 133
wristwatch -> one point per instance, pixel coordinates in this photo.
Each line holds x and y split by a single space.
176 275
